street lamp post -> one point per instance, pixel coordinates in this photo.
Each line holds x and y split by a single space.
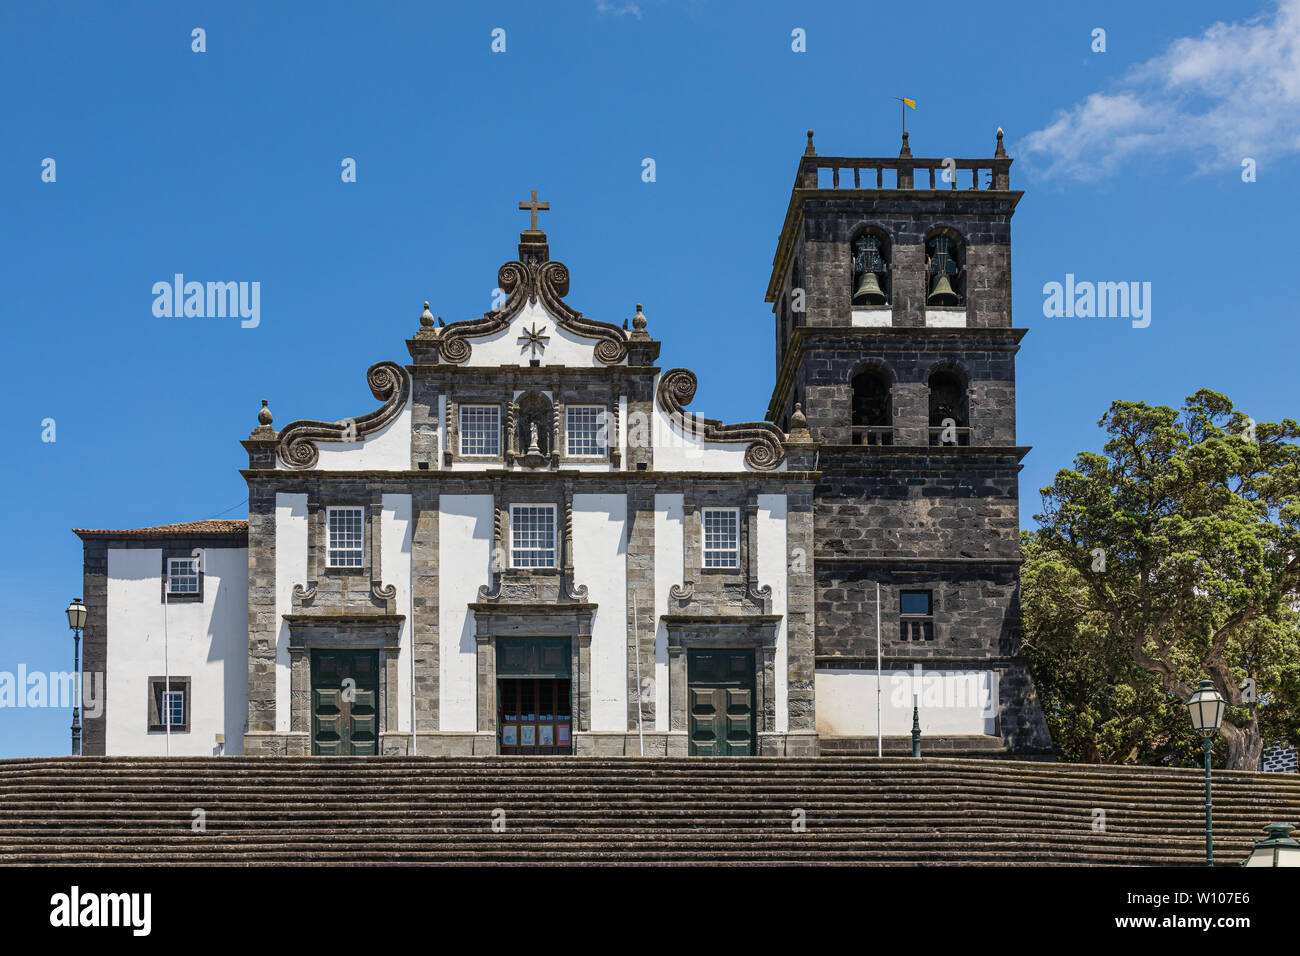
1206 710
76 621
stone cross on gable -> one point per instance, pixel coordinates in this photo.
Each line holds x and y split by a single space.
533 206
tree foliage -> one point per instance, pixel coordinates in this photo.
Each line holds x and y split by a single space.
1172 557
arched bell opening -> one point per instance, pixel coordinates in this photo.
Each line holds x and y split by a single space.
945 266
949 407
872 281
873 407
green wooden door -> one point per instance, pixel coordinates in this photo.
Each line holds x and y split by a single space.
720 687
344 703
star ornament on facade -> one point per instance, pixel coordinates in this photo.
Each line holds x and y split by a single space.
534 339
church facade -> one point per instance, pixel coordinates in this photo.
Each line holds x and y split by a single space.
534 546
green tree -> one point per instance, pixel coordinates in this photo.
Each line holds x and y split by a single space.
1100 706
1172 557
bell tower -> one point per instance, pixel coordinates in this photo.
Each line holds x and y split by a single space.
891 292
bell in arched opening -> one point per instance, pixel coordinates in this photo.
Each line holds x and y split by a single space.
868 266
941 254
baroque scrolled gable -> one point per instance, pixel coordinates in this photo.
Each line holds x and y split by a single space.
524 283
766 441
388 381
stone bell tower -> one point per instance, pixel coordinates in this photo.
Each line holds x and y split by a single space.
891 290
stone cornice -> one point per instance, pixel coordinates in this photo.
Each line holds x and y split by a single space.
911 559
720 620
536 376
548 608
344 617
907 455
928 664
543 478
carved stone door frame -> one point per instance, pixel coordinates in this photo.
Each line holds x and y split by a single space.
756 632
538 620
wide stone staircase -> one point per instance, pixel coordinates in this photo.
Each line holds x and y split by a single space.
746 811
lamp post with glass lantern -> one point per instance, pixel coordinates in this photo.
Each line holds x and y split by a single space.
1278 850
1206 710
76 621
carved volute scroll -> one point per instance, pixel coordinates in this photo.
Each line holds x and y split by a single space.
500 560
383 593
759 593
766 441
524 283
298 445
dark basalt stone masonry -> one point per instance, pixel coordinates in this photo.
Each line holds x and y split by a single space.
914 509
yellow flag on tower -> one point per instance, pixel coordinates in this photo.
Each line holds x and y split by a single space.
911 103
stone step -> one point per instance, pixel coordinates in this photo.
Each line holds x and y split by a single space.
733 811
686 856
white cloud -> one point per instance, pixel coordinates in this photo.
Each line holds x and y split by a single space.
618 9
1215 99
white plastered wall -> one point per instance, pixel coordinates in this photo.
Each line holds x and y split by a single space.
503 348
388 449
465 534
290 569
949 702
600 563
205 641
678 450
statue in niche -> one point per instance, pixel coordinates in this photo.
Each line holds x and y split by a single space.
533 429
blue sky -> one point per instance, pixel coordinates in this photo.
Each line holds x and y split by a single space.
225 165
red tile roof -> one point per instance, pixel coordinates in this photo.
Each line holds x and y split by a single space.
217 526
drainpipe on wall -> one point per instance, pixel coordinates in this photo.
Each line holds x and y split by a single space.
167 672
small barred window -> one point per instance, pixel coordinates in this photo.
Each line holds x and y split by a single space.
532 536
480 430
346 537
721 538
585 431
182 575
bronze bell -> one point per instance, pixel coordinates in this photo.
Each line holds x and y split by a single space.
868 291
942 293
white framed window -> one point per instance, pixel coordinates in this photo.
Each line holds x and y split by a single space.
169 704
182 576
480 430
347 537
532 536
585 431
721 537
174 707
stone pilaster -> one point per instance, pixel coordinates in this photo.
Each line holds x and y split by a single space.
641 589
